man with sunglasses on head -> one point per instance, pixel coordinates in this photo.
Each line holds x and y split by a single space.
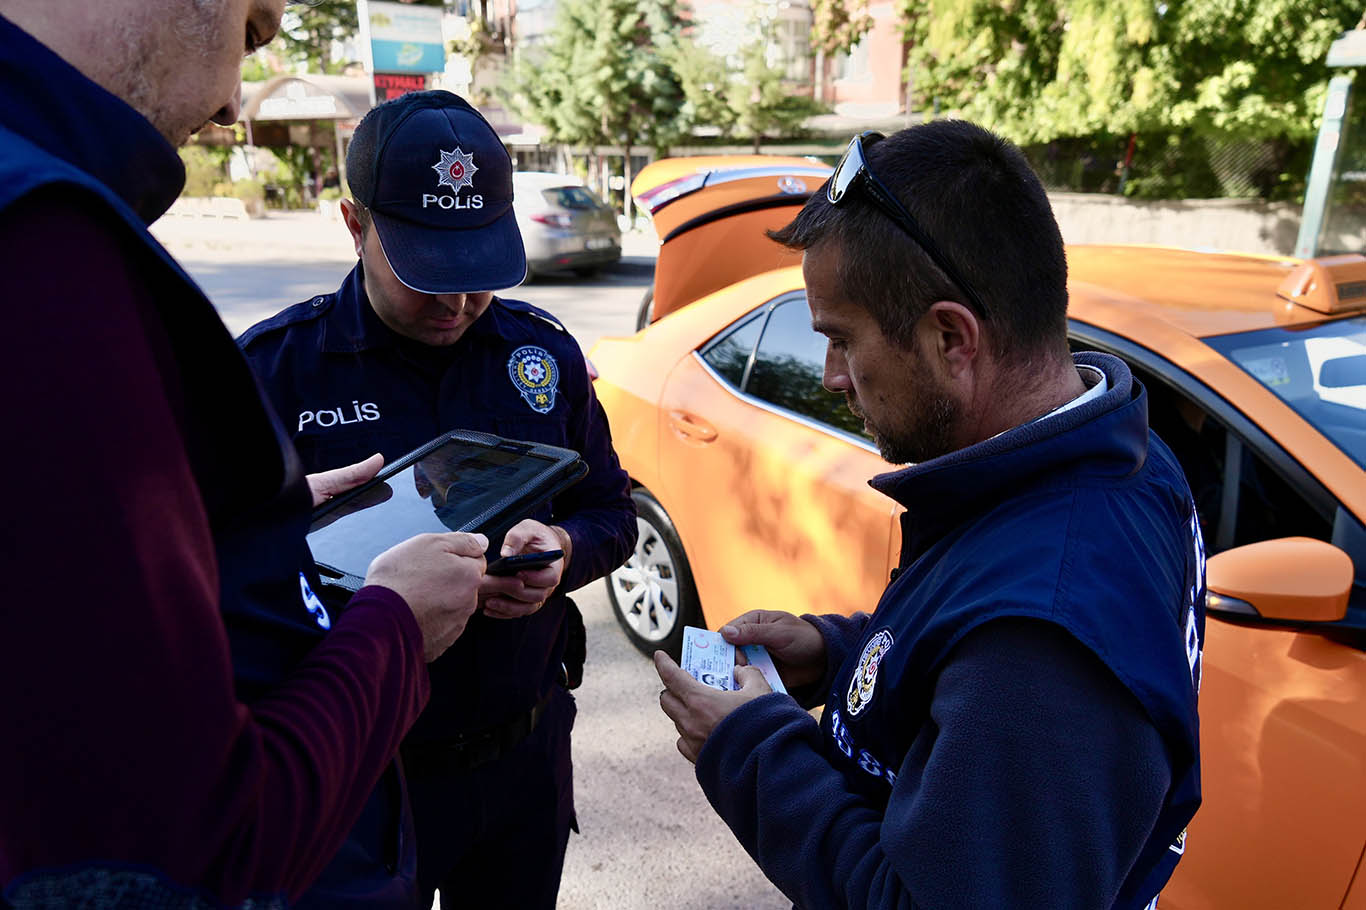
186 726
1015 724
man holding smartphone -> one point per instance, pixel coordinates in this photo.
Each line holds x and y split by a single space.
185 726
416 343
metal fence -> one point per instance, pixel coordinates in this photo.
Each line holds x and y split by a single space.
1174 166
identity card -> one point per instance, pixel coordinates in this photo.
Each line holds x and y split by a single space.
708 658
757 655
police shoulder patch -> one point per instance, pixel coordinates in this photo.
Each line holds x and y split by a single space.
864 681
536 376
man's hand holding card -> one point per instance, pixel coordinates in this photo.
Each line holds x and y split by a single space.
709 685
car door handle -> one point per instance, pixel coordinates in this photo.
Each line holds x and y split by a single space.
691 428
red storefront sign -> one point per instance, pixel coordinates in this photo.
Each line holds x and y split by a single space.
392 85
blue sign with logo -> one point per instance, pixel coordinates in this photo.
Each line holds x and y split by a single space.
408 57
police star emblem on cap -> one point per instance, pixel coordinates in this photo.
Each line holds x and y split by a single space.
455 169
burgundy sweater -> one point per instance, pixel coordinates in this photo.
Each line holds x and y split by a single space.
124 746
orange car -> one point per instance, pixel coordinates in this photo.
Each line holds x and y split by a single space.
751 482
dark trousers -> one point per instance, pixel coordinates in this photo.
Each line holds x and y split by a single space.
495 835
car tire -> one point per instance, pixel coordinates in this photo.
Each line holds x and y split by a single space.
587 271
653 595
647 309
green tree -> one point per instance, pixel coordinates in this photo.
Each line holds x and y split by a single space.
205 166
837 25
604 76
761 102
311 34
705 81
1038 70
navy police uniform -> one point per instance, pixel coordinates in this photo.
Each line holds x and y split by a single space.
488 763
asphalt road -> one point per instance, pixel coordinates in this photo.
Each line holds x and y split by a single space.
648 838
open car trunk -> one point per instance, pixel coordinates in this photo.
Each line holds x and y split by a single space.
714 211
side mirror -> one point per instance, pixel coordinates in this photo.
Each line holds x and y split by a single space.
1295 579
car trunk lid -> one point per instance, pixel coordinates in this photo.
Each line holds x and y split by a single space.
715 211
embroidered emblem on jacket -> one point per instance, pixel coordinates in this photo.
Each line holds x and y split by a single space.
536 375
865 675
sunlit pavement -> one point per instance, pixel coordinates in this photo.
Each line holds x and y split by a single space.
648 838
254 268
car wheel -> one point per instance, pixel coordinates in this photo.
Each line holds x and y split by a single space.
586 271
653 595
647 309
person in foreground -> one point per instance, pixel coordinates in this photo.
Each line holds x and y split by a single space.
187 726
413 344
1015 724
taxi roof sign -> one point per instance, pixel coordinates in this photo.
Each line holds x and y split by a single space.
1329 284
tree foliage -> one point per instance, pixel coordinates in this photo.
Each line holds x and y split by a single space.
311 34
837 25
747 98
1038 70
761 102
604 77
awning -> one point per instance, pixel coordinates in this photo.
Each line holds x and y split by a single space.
306 97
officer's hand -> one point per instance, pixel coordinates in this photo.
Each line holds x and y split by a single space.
522 594
796 646
326 484
438 575
696 709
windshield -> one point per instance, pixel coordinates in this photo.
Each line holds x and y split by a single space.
1319 370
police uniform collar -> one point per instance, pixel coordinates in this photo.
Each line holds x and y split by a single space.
53 105
352 324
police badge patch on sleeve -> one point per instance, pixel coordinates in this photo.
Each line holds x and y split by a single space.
865 675
536 375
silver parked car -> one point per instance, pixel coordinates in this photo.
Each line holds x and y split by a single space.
564 225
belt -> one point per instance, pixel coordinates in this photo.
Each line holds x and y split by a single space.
470 750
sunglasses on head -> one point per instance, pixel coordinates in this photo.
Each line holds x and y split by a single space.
853 170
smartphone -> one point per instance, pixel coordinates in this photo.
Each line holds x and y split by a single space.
511 565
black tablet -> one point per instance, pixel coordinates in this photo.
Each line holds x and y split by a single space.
460 481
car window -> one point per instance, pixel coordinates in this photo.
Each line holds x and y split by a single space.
729 354
1240 496
571 197
788 367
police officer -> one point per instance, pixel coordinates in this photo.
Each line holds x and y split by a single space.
415 343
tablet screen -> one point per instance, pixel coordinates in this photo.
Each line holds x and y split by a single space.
447 489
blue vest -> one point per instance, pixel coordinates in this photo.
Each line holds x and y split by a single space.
58 130
988 533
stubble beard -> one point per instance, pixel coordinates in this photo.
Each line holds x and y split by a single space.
928 433
925 433
146 89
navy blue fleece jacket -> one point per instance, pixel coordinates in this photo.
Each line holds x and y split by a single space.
1015 724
